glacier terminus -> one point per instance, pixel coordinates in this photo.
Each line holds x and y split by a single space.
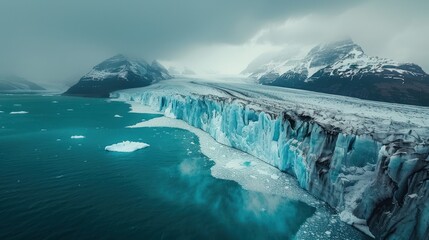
367 160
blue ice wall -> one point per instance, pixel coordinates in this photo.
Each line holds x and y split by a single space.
370 178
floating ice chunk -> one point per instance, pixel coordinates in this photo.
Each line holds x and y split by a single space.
234 165
117 116
358 223
77 137
54 101
414 195
70 109
126 146
351 219
1 112
263 172
19 112
275 176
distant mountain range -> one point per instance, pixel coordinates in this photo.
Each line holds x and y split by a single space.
118 72
343 68
14 83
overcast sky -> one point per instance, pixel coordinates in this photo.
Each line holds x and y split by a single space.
59 40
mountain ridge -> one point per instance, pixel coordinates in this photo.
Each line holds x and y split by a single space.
15 83
116 73
343 68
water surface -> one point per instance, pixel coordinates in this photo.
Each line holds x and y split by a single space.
56 187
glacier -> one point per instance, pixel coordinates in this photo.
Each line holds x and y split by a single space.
367 160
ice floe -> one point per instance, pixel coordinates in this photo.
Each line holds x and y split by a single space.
19 112
77 137
126 146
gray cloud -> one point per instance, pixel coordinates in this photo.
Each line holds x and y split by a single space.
392 29
57 39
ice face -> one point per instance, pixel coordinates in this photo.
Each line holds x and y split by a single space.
363 174
126 146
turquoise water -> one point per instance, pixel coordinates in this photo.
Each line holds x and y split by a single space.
55 187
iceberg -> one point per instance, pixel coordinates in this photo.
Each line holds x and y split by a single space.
19 112
367 160
126 146
77 137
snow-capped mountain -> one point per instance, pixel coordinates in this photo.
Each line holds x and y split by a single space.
305 66
118 72
343 68
15 83
269 66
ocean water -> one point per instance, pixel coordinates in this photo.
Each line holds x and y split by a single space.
53 186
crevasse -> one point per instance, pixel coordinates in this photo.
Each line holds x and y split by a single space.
374 182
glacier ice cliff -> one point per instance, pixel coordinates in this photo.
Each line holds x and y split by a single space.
372 167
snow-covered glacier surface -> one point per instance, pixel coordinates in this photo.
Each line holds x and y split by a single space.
368 160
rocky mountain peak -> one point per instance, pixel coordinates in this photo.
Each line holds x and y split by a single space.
118 72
